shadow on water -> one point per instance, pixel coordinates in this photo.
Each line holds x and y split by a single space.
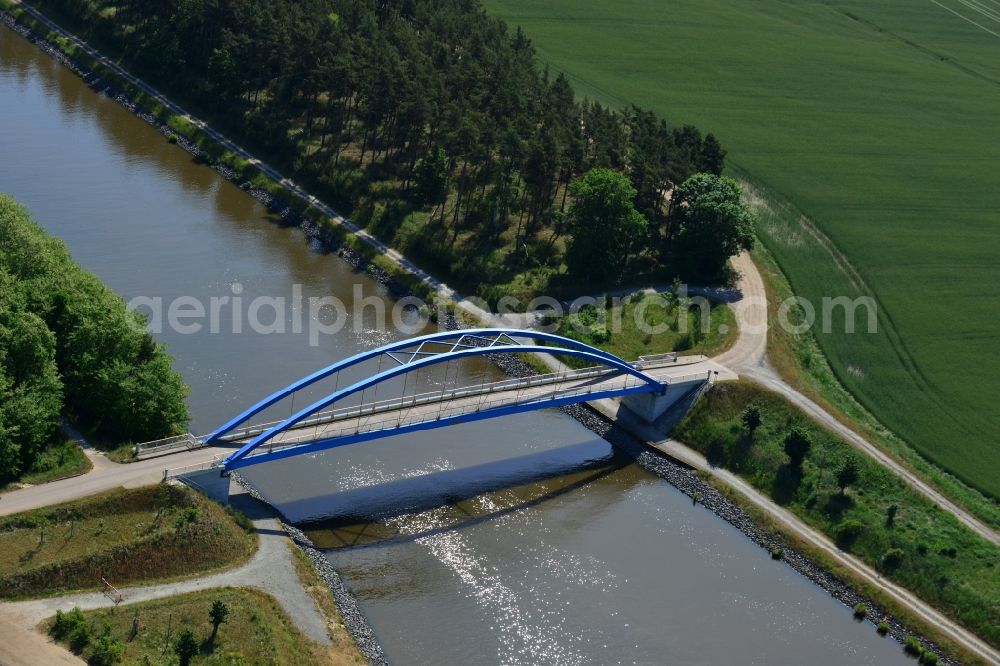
371 515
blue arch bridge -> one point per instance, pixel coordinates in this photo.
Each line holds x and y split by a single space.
420 390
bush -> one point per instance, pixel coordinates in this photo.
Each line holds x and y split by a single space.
892 559
929 658
847 532
797 444
107 651
186 517
186 647
860 610
79 638
65 623
882 628
752 418
912 646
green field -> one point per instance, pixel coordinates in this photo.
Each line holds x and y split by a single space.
877 121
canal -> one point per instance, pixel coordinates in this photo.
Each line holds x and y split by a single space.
523 540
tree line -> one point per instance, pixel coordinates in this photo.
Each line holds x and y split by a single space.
70 349
429 121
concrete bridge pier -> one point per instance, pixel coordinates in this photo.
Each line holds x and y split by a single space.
651 406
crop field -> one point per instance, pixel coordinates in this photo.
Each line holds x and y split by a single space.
874 123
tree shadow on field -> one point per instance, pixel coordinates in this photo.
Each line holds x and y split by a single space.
786 483
837 504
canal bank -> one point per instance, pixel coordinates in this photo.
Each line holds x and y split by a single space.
504 439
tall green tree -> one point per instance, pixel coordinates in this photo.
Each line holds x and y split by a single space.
709 224
604 224
62 327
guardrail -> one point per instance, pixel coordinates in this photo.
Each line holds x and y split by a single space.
189 441
363 426
174 472
167 445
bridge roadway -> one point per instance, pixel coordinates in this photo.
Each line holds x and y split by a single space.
402 411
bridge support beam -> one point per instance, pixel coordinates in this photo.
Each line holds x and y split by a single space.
651 406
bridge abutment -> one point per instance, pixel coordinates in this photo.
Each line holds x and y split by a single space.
651 406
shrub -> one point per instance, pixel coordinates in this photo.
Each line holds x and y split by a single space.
107 651
797 445
882 628
860 610
929 658
912 646
186 517
752 418
79 638
847 475
66 622
847 532
777 553
892 559
186 647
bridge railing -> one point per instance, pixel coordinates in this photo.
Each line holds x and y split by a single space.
393 404
517 384
174 472
299 436
166 445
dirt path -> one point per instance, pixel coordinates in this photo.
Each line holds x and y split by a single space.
271 570
749 359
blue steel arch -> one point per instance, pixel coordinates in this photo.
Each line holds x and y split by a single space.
242 457
441 337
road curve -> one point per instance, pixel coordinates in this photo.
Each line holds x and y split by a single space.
748 358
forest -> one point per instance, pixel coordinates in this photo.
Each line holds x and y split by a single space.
428 121
69 349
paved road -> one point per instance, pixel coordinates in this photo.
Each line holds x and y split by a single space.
271 570
106 475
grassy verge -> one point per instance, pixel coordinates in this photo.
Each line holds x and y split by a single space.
875 515
646 324
126 536
256 631
344 650
59 461
800 361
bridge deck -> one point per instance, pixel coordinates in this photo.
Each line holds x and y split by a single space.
422 408
392 414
